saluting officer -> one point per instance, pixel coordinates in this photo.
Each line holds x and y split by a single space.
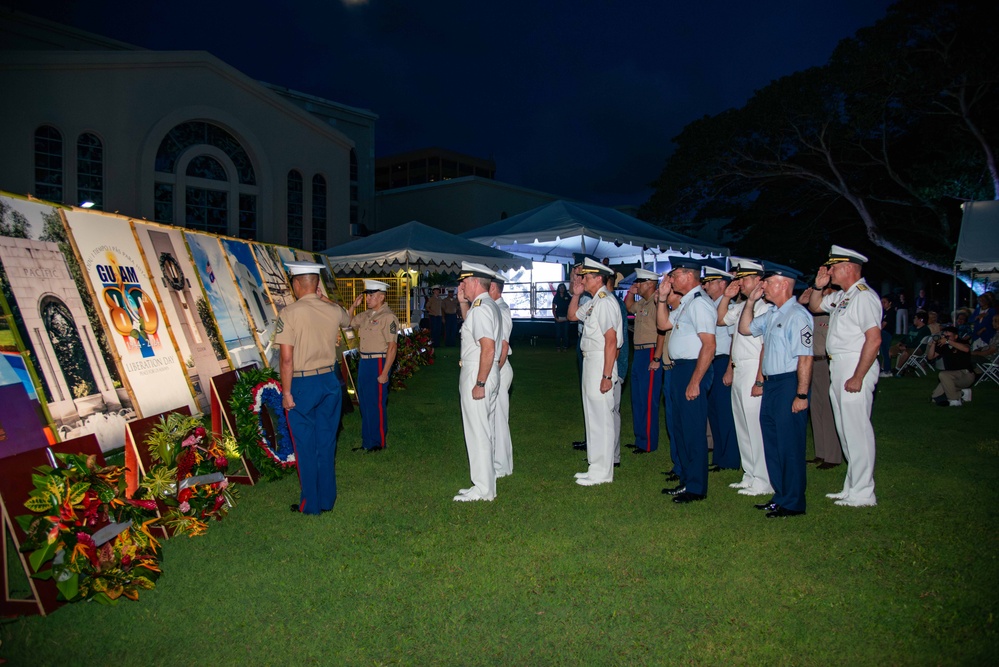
786 328
503 445
852 345
692 349
726 453
378 330
478 382
307 332
436 315
449 305
600 345
646 380
747 378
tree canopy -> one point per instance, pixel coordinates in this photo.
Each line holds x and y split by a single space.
883 142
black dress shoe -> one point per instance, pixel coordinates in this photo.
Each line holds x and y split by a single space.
373 450
675 491
617 465
781 513
768 506
684 498
714 468
825 465
356 449
636 450
295 508
671 476
631 445
815 460
579 444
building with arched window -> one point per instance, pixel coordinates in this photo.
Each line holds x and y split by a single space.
178 137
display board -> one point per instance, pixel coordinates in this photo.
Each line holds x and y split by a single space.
225 299
128 304
55 326
184 303
263 315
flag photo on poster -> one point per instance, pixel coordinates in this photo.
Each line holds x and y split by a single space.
127 301
274 275
225 299
186 307
65 345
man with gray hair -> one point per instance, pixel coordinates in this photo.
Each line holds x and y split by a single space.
478 382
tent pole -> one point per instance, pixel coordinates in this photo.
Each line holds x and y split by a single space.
954 295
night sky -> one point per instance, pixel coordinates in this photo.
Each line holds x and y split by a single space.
580 99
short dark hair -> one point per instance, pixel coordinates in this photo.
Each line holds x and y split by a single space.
921 314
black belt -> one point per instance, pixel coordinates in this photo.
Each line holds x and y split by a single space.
648 346
315 371
373 355
820 357
779 376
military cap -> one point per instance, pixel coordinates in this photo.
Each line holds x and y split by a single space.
303 268
642 275
593 266
743 267
473 270
372 286
839 254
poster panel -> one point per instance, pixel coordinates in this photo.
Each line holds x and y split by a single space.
126 299
185 305
225 299
65 348
273 273
263 315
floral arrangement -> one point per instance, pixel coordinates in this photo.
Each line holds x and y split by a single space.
188 474
86 535
415 350
259 391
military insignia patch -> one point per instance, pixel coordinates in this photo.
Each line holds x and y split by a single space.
806 336
862 288
279 327
476 303
602 295
392 328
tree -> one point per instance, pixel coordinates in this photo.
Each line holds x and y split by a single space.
897 125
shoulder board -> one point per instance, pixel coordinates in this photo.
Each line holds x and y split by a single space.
477 302
696 294
862 288
602 295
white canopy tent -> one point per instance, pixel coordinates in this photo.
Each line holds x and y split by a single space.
554 232
978 243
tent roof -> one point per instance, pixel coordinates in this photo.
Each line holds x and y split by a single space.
978 243
553 232
418 246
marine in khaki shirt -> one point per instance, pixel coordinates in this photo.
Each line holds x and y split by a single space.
378 331
646 381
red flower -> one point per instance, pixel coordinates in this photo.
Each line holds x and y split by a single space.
184 495
144 504
200 431
219 501
221 462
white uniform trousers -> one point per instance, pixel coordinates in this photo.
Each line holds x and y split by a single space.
852 413
477 420
603 422
503 445
746 413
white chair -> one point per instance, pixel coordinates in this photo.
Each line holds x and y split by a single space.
989 370
917 360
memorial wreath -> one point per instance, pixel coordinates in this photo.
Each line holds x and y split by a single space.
258 392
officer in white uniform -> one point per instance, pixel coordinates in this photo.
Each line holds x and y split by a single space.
726 452
692 349
600 345
503 446
852 345
747 378
478 382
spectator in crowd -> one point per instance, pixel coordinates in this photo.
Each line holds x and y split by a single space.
901 312
922 303
560 311
993 346
981 323
933 321
436 315
957 373
450 307
963 325
909 343
888 330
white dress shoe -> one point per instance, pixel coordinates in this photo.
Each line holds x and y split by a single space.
740 485
586 481
857 503
471 496
837 496
582 475
465 492
754 491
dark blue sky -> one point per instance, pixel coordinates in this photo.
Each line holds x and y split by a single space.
578 98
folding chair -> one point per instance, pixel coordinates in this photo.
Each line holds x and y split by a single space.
917 360
990 370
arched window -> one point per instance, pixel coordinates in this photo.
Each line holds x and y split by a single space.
296 210
68 347
90 170
48 164
204 178
318 213
354 201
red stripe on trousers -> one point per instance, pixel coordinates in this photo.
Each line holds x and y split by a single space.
381 403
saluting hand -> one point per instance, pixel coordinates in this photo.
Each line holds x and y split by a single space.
732 288
665 289
822 278
757 292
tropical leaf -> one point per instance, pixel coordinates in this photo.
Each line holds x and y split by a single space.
69 587
38 504
160 480
77 492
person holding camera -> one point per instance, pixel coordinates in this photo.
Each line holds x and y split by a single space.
957 373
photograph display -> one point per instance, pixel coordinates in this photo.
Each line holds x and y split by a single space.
185 305
263 316
127 301
57 322
225 300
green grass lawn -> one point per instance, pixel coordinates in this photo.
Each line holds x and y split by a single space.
554 573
